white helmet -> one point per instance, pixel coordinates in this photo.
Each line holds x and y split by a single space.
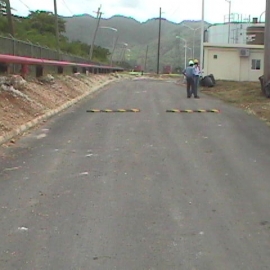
191 62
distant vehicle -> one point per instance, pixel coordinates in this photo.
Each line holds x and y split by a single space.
167 69
138 68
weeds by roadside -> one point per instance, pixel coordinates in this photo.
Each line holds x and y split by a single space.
246 95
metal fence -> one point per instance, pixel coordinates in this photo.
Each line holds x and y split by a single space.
12 46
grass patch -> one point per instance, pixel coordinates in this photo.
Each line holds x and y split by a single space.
246 95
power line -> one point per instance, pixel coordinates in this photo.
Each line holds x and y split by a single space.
172 9
175 10
65 4
88 4
25 5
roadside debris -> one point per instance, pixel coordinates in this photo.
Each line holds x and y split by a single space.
84 173
23 229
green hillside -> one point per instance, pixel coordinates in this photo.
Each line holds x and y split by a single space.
76 35
138 36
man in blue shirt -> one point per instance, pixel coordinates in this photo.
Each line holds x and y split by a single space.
189 72
196 78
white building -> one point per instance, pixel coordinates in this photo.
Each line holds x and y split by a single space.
235 62
240 30
235 51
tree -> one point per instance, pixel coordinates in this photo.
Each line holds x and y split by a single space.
39 27
3 25
44 22
101 53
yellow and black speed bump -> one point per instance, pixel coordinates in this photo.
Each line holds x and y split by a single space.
118 110
193 111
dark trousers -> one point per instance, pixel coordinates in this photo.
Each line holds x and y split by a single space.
196 85
190 86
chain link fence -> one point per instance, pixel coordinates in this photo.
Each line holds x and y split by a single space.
12 46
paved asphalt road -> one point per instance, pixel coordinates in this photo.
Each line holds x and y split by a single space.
138 191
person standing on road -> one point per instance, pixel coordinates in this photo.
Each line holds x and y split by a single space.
189 73
196 78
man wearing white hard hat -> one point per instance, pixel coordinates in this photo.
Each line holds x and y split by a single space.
189 72
196 78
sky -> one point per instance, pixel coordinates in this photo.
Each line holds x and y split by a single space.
142 10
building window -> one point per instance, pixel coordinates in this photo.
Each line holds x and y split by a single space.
256 64
215 56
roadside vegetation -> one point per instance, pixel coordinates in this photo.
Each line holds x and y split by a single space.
39 28
246 95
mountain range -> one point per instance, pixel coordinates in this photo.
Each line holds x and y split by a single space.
138 36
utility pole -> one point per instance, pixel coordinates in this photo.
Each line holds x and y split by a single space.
9 16
99 14
202 38
185 54
123 55
267 50
145 60
159 34
114 46
57 29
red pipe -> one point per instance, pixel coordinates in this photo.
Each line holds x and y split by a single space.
5 58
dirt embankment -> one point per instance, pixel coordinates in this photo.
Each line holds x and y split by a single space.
23 101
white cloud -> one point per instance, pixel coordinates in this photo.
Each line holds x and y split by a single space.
179 10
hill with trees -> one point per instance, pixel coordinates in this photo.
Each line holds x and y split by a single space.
39 28
76 35
138 36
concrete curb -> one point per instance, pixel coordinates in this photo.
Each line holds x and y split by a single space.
8 136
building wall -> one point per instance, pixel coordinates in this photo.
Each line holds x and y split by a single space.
219 33
226 64
222 63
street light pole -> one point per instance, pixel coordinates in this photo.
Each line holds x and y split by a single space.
202 37
190 51
193 46
185 49
124 56
185 55
115 40
145 59
114 46
267 49
229 30
159 35
260 20
194 33
123 51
